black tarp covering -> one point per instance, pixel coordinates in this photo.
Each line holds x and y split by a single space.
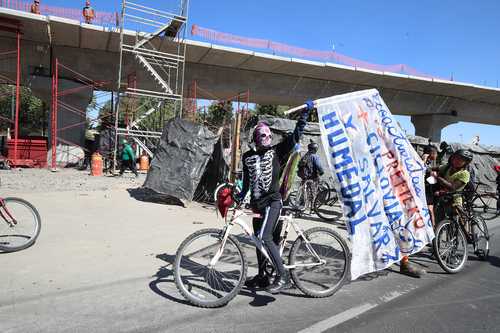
216 171
180 160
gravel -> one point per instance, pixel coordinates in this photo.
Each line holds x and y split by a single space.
44 180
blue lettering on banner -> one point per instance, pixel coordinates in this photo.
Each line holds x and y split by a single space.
345 169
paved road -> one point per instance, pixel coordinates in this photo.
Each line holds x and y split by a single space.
465 302
96 269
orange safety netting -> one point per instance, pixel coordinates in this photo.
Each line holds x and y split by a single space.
101 17
300 52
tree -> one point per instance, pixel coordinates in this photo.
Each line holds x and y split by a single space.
33 113
220 113
269 109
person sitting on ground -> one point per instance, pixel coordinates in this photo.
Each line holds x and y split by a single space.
430 158
497 169
88 13
127 159
35 7
310 168
453 177
261 176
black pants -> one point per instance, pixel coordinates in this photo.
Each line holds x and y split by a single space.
130 164
268 229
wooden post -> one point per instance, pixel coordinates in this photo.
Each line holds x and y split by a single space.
235 151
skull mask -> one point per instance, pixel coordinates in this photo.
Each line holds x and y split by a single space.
262 136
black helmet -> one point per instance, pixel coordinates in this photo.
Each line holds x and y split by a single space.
465 154
312 146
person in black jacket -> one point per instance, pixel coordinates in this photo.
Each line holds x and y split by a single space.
497 169
261 175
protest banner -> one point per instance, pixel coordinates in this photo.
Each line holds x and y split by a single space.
379 177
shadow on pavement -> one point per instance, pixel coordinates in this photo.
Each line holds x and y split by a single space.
166 275
147 195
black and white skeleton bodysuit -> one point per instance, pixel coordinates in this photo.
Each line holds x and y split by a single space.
261 175
261 168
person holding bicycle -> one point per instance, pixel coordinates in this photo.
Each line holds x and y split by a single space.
453 177
430 157
310 168
261 176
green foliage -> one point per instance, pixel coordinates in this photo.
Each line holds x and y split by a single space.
133 108
220 113
271 110
33 113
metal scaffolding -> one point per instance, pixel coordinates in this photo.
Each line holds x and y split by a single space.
159 48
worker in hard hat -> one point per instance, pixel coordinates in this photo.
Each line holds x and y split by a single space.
88 12
127 159
35 7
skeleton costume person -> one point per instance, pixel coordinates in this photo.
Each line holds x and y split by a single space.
261 174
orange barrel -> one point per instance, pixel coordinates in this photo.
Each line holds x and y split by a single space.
96 164
144 163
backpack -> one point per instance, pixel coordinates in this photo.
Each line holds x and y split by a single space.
306 167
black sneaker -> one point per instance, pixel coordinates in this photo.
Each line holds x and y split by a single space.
280 283
260 281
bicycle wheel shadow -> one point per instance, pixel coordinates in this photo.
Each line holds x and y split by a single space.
165 276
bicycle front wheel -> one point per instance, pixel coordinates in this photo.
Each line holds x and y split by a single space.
481 237
205 285
450 245
20 225
325 205
321 262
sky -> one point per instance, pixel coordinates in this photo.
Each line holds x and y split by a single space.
442 38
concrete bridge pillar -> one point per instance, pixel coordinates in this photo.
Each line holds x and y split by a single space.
430 126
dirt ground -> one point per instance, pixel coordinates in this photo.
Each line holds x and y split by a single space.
43 180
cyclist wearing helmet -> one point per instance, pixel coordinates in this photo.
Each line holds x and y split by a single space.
451 177
261 175
310 164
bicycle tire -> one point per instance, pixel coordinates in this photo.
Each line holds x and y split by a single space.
487 209
324 203
481 236
449 229
21 216
193 292
305 283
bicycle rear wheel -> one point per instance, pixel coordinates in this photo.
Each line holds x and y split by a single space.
206 286
325 205
20 225
450 246
327 277
485 205
481 237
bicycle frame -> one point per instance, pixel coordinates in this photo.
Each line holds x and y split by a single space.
4 208
236 219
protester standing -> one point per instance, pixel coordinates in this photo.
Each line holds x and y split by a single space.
430 160
497 169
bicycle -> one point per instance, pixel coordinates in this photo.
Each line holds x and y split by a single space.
485 203
20 226
210 266
459 228
325 204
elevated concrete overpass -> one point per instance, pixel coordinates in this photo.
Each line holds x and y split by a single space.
224 71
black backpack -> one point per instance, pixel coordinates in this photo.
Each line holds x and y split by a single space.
306 167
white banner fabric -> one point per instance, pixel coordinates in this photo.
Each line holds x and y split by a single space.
379 178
